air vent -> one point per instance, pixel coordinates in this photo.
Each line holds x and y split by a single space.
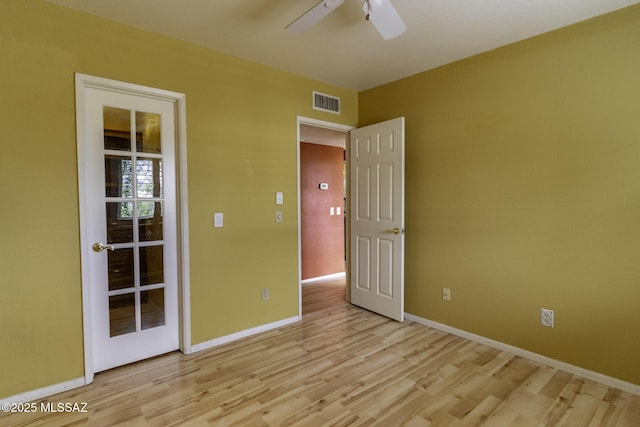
322 102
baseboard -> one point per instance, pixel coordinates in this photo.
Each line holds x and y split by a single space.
328 277
572 369
41 393
242 334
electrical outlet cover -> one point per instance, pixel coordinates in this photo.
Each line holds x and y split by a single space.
218 219
546 317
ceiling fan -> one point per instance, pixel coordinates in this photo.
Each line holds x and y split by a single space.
380 13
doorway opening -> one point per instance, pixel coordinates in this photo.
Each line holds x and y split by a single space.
322 205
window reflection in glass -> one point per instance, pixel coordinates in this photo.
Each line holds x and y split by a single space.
118 176
150 224
119 224
149 177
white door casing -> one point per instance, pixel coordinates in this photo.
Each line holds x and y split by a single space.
149 295
377 218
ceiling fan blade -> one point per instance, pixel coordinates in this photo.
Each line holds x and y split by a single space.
386 20
313 15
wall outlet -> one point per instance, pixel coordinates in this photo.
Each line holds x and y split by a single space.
278 216
265 294
546 317
446 294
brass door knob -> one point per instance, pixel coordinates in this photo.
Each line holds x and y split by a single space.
99 247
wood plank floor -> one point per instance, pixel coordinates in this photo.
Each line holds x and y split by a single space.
342 366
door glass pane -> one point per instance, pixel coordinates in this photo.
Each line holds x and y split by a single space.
150 221
146 209
122 314
118 176
138 179
152 308
119 222
121 274
148 132
149 177
151 265
117 128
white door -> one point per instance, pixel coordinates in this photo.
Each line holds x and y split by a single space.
128 215
377 218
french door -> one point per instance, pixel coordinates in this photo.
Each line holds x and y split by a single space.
129 228
377 218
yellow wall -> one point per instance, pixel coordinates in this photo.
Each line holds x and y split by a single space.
523 186
523 192
241 130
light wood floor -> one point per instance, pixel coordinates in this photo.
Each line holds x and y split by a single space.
342 366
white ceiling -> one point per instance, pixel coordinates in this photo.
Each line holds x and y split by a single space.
324 136
343 49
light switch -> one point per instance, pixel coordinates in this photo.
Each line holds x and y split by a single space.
332 211
279 198
218 219
338 210
278 216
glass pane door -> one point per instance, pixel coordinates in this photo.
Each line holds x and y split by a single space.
128 216
134 202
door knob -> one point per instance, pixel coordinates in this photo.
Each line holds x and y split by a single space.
393 230
99 247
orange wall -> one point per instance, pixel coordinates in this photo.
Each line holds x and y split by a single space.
322 233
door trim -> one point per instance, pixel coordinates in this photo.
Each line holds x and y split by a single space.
301 120
82 82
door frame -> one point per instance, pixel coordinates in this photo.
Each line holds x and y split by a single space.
301 120
82 82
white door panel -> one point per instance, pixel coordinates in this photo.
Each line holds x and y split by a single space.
129 206
377 220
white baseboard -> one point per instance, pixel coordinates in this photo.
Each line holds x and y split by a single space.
572 369
41 393
328 277
242 334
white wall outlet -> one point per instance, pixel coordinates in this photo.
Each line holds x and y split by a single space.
279 198
265 294
332 211
218 219
546 317
446 294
